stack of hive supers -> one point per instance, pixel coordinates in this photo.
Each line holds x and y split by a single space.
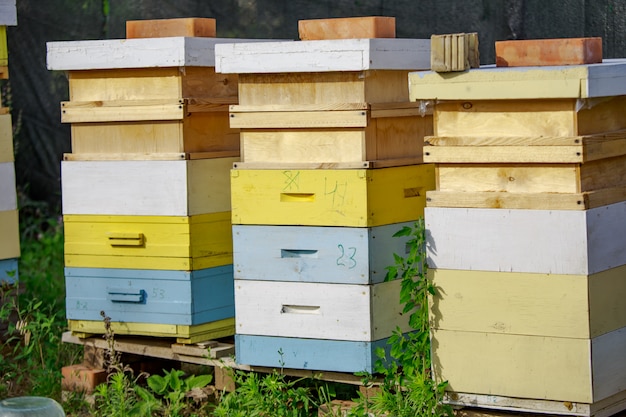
9 224
331 169
146 192
527 230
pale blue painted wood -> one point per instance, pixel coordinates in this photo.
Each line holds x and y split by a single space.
8 270
150 296
312 354
340 255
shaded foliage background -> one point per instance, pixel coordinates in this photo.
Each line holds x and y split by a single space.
37 92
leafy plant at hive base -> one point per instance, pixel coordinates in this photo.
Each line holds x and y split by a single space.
408 388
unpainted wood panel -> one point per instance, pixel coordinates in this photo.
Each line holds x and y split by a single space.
526 201
399 137
519 366
603 173
125 84
512 178
204 82
300 145
604 114
386 86
504 154
505 118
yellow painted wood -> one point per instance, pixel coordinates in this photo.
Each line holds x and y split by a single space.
182 333
9 234
151 84
358 197
4 49
148 242
572 306
6 138
121 111
511 365
323 88
197 132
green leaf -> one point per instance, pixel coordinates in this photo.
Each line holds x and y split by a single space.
157 384
197 381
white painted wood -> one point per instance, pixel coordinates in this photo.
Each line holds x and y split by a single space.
8 197
609 364
536 241
135 53
518 405
159 188
318 311
8 13
489 82
323 56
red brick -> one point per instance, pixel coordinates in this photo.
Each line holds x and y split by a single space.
80 378
161 28
347 28
543 52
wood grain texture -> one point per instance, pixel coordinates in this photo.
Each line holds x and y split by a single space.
319 311
162 297
533 241
153 188
490 83
148 242
341 255
310 354
323 88
323 56
160 28
454 52
9 230
6 138
544 368
544 52
359 198
8 194
135 53
9 271
347 28
572 306
121 111
183 333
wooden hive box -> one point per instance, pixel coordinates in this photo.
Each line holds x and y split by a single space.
150 296
8 270
333 197
148 242
549 343
8 195
146 98
146 188
183 333
6 136
527 137
9 230
304 319
341 255
327 103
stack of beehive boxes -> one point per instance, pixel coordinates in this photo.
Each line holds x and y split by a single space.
9 224
527 234
146 191
331 152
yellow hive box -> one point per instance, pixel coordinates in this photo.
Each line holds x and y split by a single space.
350 119
148 242
10 235
6 136
183 333
354 197
4 50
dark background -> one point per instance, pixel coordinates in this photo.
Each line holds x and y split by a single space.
34 93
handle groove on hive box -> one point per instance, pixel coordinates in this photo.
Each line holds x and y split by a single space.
126 295
125 239
294 309
298 253
297 197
